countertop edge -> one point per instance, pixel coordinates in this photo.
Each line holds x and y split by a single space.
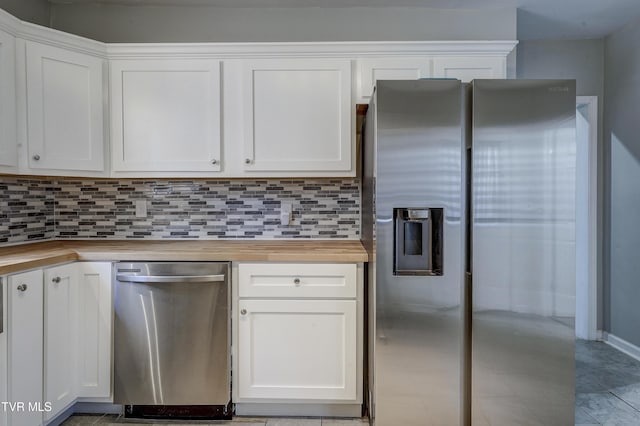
55 252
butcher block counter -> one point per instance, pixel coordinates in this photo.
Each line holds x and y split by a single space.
34 255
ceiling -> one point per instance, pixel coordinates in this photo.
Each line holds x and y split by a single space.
537 19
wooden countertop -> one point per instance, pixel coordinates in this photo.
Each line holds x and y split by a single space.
36 255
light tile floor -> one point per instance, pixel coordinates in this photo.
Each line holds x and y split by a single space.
607 393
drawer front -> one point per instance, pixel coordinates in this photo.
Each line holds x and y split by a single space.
316 280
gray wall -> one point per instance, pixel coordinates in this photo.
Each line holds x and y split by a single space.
582 60
122 23
36 11
622 183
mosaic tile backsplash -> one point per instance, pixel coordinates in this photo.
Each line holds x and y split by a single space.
26 210
204 209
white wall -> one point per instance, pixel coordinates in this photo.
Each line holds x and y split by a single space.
36 11
126 23
622 183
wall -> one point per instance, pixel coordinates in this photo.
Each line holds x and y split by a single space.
582 60
622 183
127 23
36 11
39 209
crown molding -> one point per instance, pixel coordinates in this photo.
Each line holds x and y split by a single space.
310 49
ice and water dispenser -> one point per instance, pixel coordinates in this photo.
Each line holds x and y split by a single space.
417 241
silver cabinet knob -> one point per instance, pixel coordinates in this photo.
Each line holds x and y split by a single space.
36 157
243 312
296 281
22 287
214 161
56 280
247 161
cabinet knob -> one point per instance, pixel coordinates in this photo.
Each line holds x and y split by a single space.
36 157
214 161
296 281
247 161
243 312
22 287
56 280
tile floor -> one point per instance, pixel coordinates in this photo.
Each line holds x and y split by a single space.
607 386
112 420
607 393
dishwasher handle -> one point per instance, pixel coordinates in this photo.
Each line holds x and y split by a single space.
170 278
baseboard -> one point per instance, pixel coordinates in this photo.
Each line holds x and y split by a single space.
306 410
622 345
599 336
97 408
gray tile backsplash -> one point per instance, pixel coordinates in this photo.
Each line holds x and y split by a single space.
181 209
26 210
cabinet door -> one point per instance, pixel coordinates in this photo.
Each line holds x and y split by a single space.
8 144
94 329
3 348
297 115
297 349
407 68
60 343
25 346
468 68
165 115
64 109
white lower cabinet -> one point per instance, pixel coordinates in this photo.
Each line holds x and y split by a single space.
297 349
25 348
95 320
59 339
298 335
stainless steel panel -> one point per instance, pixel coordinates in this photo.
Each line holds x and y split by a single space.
172 338
523 252
418 342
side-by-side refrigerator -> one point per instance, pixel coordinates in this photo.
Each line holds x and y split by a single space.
468 213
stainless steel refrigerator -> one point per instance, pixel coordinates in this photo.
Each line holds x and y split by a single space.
469 218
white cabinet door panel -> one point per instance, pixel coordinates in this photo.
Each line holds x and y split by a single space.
64 109
166 115
25 346
297 115
406 68
94 331
297 349
298 280
8 142
468 68
60 337
3 348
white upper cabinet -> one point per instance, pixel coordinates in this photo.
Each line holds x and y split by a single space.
8 142
391 68
298 116
165 116
64 93
466 68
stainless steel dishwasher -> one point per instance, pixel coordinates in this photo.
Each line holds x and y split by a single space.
172 339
